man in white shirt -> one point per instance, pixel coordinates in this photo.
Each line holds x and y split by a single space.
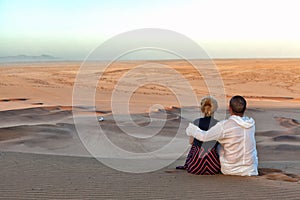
238 155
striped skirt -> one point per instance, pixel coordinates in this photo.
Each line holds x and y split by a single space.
203 163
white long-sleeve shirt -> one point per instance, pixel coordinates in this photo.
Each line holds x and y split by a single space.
238 155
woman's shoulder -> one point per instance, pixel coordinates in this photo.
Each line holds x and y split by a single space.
214 120
196 121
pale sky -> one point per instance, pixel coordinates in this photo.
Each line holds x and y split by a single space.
224 28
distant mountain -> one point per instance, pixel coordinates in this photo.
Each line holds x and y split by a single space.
22 57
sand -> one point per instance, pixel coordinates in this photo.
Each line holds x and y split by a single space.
35 176
42 156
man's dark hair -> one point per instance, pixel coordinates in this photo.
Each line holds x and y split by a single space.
238 104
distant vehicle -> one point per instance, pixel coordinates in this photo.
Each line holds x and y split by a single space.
100 119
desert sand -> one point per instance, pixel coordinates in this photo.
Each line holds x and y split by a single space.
42 156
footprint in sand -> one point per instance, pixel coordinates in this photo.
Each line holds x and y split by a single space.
278 175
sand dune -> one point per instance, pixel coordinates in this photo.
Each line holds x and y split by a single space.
43 157
32 116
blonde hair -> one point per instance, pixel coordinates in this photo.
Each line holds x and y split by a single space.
208 106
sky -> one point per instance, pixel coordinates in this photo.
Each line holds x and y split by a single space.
71 29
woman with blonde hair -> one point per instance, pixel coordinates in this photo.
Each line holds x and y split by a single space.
201 160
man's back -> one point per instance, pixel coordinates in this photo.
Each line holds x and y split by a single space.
238 155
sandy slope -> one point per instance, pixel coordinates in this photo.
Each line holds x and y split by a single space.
34 176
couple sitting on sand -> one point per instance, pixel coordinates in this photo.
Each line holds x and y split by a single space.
235 150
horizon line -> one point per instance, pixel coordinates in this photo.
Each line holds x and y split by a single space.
131 60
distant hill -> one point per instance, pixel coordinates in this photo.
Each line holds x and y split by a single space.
22 57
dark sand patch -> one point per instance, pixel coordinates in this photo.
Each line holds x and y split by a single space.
287 122
287 138
274 133
14 99
37 103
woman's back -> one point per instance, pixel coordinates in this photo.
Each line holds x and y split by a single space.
204 123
